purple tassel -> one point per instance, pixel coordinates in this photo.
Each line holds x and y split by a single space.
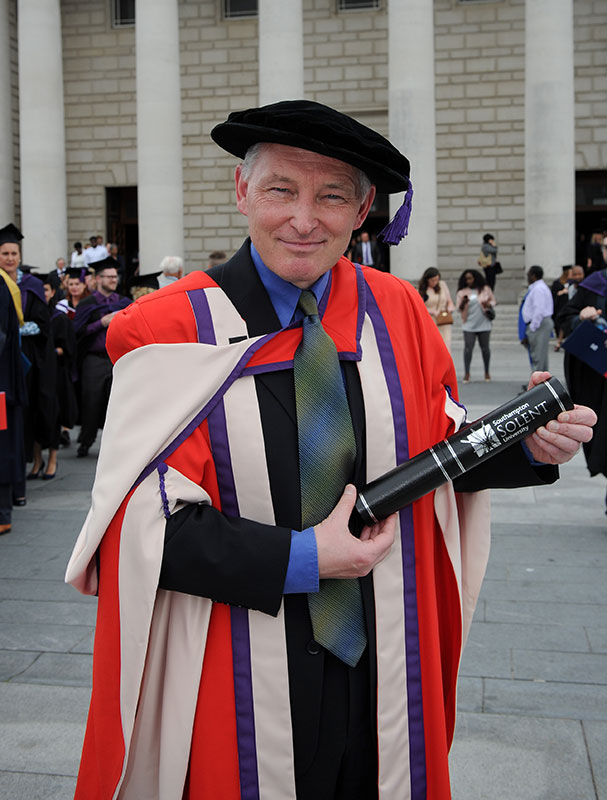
398 228
162 468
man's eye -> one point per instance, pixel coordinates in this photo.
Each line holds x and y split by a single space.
334 198
280 189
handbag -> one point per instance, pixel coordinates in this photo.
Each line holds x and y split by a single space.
490 313
498 268
444 318
484 260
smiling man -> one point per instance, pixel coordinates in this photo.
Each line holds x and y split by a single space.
248 645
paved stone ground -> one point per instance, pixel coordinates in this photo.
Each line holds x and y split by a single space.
532 721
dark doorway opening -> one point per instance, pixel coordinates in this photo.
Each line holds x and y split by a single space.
377 219
590 209
123 225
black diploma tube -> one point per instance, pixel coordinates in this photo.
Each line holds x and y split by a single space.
465 449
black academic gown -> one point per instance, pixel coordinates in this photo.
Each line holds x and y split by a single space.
12 383
586 386
41 378
186 566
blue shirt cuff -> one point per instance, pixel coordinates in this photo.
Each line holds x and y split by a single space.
530 457
302 569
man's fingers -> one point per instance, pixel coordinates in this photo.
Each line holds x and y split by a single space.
538 377
579 415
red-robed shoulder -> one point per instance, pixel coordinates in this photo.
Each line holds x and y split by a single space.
164 316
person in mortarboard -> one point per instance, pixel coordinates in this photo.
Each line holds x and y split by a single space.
93 315
37 347
587 385
13 396
145 284
248 645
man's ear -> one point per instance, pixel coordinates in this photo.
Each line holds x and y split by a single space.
242 187
365 207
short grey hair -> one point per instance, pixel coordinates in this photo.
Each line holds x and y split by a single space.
170 265
363 184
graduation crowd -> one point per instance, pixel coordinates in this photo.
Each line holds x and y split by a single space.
54 369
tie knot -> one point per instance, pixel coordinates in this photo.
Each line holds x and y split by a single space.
307 303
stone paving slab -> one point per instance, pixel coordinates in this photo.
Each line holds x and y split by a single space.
59 669
596 736
41 728
545 699
515 758
574 668
542 612
45 638
24 786
29 612
52 591
530 590
14 663
491 635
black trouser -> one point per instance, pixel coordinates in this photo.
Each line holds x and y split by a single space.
490 274
6 503
345 764
96 382
469 340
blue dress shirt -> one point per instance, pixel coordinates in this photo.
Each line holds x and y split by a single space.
302 569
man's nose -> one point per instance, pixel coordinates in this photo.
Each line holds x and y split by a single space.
304 216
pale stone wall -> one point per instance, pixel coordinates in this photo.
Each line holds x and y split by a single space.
480 132
479 58
99 97
590 57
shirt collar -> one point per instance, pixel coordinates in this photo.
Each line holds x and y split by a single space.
283 295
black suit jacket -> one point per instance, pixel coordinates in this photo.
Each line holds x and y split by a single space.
256 556
357 254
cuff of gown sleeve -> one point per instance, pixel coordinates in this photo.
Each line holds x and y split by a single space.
302 569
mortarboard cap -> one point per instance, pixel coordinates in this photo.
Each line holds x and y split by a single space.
321 129
105 263
10 233
77 272
147 281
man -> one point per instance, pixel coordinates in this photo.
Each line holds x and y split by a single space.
171 270
77 260
576 276
93 315
536 312
217 538
367 252
96 252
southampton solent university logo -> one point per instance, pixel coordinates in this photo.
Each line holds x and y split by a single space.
483 440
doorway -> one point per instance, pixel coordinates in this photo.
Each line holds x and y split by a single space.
123 226
590 209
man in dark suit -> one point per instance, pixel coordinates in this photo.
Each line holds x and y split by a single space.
367 252
278 714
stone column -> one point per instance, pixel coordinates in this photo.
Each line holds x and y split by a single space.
7 209
412 128
41 133
159 148
281 73
549 135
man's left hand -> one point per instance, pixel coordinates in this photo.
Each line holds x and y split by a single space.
559 440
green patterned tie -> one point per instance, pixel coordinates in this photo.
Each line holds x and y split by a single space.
326 455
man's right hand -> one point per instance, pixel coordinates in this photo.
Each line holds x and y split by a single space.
342 555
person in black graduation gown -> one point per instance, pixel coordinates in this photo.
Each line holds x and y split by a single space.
12 385
64 341
586 386
93 316
37 347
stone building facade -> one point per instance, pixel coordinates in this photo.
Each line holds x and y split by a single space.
479 105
